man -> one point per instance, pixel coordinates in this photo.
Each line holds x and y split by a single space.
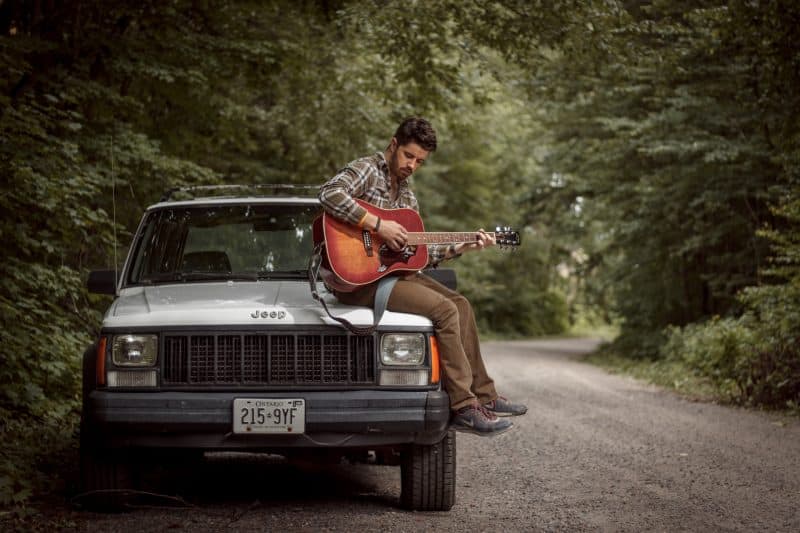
382 180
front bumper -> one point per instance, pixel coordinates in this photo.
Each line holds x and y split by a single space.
204 420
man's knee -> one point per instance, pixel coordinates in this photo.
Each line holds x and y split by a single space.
444 311
462 304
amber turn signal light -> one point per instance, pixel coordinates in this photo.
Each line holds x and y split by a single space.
100 366
434 360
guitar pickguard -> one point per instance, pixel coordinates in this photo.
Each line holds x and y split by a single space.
389 257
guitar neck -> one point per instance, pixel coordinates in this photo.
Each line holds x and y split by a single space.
436 237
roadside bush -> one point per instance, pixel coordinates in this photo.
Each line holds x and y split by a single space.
770 374
44 319
639 344
753 359
38 457
713 350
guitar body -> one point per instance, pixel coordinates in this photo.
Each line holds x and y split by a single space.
356 257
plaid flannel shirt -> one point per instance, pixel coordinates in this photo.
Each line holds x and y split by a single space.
368 179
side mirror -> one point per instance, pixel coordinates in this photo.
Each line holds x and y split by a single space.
102 282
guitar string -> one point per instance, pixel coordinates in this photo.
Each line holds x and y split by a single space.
443 237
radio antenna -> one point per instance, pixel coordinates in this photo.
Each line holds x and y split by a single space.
114 209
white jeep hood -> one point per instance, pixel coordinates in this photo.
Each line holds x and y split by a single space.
238 303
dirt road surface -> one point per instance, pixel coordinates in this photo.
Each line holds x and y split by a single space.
596 452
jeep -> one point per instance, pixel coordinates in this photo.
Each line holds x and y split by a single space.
213 342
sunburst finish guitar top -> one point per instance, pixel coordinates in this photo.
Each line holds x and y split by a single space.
357 257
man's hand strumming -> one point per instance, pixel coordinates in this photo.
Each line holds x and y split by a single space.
393 234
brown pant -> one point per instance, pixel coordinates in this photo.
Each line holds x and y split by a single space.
454 322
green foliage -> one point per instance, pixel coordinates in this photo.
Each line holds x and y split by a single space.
672 135
649 152
755 357
654 157
714 350
104 107
39 456
750 359
514 291
664 162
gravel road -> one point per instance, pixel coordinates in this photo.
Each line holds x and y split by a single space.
595 452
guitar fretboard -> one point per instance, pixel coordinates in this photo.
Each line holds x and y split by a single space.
435 237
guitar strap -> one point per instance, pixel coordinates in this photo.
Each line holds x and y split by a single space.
384 290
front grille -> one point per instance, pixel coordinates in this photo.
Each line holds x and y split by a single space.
268 359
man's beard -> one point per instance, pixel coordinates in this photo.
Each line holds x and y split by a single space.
394 167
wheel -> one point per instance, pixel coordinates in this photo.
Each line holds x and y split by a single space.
428 475
106 479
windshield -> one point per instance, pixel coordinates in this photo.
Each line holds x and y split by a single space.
223 242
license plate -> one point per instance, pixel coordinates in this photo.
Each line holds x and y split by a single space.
269 415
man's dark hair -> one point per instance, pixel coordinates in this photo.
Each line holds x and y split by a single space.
418 130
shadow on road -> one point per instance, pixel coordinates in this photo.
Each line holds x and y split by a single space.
239 478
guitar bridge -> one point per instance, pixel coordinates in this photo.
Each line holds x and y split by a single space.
366 238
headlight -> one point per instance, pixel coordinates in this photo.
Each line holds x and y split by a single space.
403 349
134 350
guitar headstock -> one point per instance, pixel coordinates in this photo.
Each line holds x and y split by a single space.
505 237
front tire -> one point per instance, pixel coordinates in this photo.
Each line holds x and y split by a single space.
428 475
106 479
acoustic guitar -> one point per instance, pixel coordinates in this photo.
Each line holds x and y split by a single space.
355 257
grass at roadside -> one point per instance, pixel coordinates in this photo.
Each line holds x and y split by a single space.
673 375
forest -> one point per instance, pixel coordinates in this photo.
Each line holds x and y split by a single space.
647 150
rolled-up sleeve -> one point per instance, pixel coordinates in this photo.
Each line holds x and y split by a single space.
436 252
336 195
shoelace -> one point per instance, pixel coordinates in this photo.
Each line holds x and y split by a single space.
487 414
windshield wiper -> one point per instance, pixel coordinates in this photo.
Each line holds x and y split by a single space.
195 275
283 274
